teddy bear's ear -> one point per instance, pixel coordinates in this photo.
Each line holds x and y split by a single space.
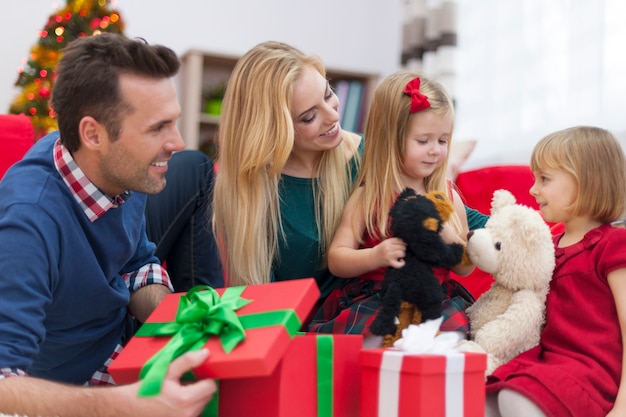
407 193
436 196
501 198
442 204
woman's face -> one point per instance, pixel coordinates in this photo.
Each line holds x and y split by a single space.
314 113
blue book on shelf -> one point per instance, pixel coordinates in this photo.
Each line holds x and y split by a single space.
341 90
352 110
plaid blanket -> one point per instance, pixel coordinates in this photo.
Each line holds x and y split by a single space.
352 307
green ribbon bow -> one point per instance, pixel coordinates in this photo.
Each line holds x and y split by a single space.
201 314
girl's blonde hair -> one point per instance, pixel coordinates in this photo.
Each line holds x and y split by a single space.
595 159
256 137
385 145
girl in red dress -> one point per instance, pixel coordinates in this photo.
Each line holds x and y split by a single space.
407 137
578 367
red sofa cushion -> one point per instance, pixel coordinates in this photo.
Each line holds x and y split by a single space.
16 137
476 187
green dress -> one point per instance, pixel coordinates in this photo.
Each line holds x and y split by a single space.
475 219
299 255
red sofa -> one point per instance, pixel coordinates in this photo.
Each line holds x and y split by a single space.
16 137
476 188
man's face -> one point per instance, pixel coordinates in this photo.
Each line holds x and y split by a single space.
137 160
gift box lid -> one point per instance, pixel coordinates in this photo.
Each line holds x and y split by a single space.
422 363
257 355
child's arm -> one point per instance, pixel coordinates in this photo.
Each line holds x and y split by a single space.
617 282
346 260
449 235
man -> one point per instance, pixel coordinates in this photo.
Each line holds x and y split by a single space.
75 261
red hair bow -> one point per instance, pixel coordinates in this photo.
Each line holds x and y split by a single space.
419 101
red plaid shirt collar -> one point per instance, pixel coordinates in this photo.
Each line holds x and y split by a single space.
91 199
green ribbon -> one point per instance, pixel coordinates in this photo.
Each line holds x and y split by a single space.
325 385
325 388
213 407
202 314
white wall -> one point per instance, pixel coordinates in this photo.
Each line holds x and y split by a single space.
528 68
523 69
359 35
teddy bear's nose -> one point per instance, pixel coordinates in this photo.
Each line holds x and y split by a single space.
470 234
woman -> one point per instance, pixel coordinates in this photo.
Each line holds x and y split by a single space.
285 169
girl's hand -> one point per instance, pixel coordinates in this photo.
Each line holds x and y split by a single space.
390 252
449 235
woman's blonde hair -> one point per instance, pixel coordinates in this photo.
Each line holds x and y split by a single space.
595 159
385 145
256 137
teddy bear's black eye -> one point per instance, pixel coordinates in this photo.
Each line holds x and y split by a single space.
497 245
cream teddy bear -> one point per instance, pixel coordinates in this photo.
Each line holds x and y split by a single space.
516 247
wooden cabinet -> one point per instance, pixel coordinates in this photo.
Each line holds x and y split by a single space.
203 71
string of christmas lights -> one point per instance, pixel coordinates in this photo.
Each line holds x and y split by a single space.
77 19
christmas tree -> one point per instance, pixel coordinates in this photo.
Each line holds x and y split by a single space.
78 18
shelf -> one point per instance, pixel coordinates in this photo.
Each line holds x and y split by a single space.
209 119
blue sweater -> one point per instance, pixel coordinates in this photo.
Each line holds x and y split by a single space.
62 299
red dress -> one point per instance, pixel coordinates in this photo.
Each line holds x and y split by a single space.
353 306
576 369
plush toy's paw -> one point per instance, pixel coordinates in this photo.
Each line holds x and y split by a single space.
417 316
457 255
469 346
383 325
409 314
466 260
388 341
492 364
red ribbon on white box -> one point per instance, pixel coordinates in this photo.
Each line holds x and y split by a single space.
423 339
389 383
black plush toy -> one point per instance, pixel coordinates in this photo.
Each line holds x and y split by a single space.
412 293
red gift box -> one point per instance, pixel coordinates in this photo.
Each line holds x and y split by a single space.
317 377
257 355
402 384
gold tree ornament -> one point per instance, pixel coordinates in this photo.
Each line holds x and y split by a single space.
36 78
